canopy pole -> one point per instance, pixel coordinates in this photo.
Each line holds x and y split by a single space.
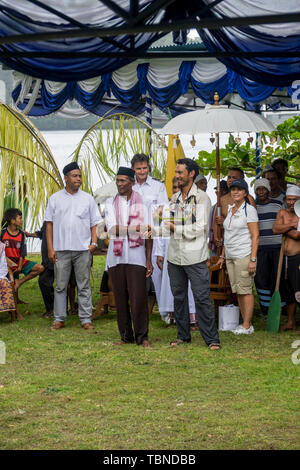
149 121
258 154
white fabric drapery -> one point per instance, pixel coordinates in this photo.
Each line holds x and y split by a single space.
242 8
208 70
90 12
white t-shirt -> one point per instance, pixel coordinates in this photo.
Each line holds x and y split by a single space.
237 237
72 215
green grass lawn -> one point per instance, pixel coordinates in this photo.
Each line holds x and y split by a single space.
73 389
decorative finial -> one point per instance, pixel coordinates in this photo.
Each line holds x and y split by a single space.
193 141
216 99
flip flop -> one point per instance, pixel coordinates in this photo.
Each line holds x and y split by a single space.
178 342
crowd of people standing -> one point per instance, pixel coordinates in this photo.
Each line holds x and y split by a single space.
162 246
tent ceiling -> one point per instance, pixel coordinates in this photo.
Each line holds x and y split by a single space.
79 50
128 27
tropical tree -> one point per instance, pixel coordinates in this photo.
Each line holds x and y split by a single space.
282 143
29 174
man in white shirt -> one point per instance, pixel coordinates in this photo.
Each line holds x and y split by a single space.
72 217
129 258
154 194
187 255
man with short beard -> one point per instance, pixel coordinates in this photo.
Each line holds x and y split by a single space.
287 223
188 254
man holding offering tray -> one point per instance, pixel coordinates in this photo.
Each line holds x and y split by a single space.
187 255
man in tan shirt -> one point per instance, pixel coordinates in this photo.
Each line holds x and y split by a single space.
187 255
287 223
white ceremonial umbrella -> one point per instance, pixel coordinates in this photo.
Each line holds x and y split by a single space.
216 119
297 209
106 191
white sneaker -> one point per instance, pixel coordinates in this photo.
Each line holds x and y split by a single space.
240 327
166 319
240 330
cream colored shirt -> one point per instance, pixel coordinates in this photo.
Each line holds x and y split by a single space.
188 244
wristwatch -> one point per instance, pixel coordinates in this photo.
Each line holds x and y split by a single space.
253 260
94 244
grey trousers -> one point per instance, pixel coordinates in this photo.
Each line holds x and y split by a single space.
81 260
198 275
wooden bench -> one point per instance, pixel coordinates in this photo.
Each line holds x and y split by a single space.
219 284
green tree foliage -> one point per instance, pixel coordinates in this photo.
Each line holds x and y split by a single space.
282 143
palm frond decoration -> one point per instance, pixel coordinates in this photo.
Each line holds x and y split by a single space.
113 140
29 174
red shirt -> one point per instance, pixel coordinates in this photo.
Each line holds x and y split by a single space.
15 246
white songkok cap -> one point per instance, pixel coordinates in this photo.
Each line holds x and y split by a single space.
262 182
293 190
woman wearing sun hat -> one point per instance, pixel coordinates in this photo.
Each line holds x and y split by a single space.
241 236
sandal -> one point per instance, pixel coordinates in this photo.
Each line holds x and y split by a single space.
214 346
47 315
177 342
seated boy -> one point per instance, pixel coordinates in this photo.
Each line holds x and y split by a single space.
15 247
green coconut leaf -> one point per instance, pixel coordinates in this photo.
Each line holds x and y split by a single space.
29 174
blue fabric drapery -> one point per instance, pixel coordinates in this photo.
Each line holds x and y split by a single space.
12 22
165 96
206 91
273 72
281 71
276 72
132 97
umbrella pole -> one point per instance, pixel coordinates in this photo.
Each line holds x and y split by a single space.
216 103
218 187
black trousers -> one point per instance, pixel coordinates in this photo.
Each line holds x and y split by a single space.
129 287
46 280
198 275
265 277
104 289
